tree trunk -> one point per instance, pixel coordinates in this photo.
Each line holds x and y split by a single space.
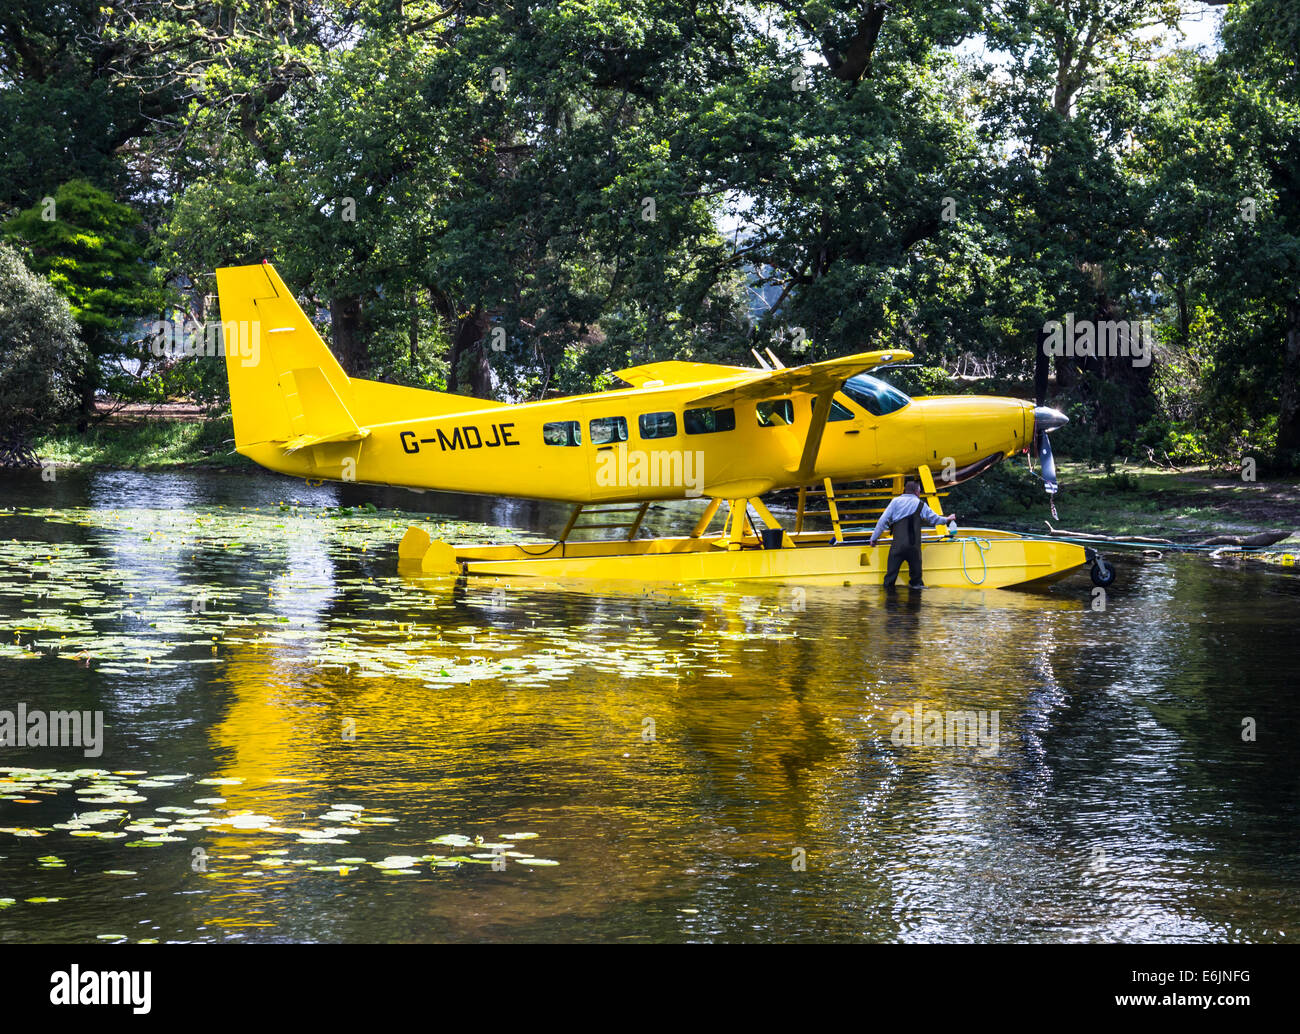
86 407
1184 321
1065 368
468 371
413 336
1288 419
480 373
1041 368
88 379
349 341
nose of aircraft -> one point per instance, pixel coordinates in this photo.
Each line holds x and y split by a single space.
1046 419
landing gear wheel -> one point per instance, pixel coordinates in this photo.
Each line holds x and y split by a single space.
1101 572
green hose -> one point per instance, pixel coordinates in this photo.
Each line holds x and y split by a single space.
981 545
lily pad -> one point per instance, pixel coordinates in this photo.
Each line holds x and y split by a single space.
397 861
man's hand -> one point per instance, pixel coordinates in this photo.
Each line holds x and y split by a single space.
951 519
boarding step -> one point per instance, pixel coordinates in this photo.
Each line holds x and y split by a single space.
636 511
854 500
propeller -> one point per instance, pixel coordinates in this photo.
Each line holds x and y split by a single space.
1045 421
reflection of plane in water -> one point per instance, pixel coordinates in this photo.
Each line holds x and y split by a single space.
773 712
728 434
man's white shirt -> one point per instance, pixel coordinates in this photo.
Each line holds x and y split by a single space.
902 507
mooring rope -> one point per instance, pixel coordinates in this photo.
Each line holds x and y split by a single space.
980 546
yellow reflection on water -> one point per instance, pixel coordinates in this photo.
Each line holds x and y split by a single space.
636 732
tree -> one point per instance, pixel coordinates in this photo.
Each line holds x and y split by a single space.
440 180
1069 212
1217 155
92 250
1258 85
92 89
40 356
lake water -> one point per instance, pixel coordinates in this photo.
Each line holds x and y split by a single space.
298 744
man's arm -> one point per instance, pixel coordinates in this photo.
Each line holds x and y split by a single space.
882 523
933 519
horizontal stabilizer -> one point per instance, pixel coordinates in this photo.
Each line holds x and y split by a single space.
316 413
306 441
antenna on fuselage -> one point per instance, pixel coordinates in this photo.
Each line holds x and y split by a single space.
761 361
775 361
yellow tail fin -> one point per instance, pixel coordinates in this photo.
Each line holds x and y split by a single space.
270 346
286 388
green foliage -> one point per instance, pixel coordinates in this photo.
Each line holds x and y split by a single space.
1007 487
151 444
920 380
106 92
91 248
40 350
516 200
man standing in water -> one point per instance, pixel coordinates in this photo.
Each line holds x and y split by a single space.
903 517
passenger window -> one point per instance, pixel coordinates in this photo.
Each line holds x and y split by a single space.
562 432
838 411
776 413
658 425
606 430
709 421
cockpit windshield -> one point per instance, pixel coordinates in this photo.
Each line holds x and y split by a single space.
875 396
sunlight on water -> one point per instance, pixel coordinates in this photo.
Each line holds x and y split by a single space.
299 744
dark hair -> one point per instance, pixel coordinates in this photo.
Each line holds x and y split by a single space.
910 483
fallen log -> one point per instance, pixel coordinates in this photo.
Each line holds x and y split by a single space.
1093 537
1253 541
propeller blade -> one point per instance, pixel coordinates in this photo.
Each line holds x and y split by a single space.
1045 421
1047 463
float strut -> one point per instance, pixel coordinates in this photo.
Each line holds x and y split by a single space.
706 518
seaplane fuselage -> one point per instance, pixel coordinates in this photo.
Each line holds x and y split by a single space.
681 430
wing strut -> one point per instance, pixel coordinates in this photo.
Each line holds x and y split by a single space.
813 441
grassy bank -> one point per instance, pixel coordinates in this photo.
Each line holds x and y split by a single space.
148 444
1134 500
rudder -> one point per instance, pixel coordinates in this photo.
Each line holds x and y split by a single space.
287 389
256 304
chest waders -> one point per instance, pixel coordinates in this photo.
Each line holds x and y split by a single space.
906 546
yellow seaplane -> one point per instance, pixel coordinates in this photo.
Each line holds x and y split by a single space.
682 430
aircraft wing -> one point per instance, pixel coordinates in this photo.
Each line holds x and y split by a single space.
676 371
815 378
822 379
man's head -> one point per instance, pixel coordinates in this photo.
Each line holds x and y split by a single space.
913 487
